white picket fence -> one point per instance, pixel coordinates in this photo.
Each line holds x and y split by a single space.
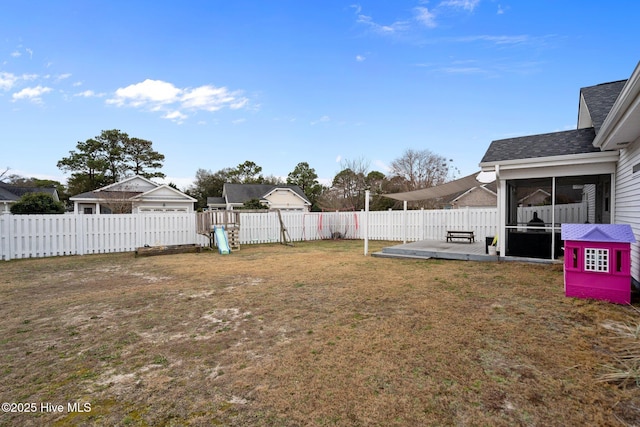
30 236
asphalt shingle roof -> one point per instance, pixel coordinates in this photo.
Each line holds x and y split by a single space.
599 99
7 195
577 141
240 193
12 192
216 201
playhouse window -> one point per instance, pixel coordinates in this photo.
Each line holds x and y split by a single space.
596 260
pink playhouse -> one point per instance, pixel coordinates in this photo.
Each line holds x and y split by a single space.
597 261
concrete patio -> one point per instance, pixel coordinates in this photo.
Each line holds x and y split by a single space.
426 249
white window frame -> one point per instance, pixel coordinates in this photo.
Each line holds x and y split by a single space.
596 260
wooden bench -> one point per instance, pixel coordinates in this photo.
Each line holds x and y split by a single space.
460 235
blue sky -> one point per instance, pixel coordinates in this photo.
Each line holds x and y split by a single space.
215 83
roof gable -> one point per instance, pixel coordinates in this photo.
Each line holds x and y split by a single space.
457 196
134 183
597 101
622 124
290 191
165 193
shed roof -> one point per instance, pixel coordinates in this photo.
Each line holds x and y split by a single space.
614 233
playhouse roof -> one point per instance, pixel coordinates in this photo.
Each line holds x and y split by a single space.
615 233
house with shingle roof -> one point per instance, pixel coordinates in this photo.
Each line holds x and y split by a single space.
595 166
282 196
9 194
135 194
477 196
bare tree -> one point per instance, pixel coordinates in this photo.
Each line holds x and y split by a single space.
420 169
4 172
417 169
348 186
118 201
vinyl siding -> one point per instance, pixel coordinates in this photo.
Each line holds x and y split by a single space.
628 199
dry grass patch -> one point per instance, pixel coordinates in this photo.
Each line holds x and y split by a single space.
315 334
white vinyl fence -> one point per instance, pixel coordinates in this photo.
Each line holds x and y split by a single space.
29 236
570 213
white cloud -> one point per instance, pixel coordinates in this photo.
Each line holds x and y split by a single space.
240 103
238 121
422 16
338 158
7 80
63 77
497 39
32 94
469 5
147 92
360 58
18 52
323 119
207 98
89 94
157 95
464 70
425 17
397 26
175 116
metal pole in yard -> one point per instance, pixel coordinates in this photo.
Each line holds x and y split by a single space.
404 222
366 222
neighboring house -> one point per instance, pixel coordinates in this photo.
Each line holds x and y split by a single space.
132 195
537 198
9 194
284 197
480 196
600 160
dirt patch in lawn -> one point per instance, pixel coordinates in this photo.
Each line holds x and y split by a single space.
315 334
